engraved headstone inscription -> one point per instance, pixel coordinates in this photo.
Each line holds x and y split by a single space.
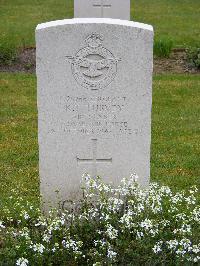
119 9
94 79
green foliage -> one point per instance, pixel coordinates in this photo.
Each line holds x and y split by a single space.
163 47
193 57
108 226
8 51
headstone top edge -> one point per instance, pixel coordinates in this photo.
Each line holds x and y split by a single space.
94 21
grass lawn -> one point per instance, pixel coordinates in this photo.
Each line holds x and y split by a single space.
19 151
178 20
175 133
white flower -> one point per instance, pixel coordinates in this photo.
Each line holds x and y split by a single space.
127 219
146 224
180 216
196 214
1 225
41 222
185 243
172 244
104 217
71 244
139 208
38 248
134 177
181 252
114 204
111 254
111 232
56 246
139 235
26 216
158 247
191 200
165 190
25 233
156 209
197 259
196 249
46 238
86 177
177 198
101 243
22 262
185 228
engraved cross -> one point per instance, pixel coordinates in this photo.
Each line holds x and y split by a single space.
102 6
94 160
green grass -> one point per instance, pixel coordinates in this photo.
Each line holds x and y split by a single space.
18 18
176 130
178 20
19 152
162 48
175 133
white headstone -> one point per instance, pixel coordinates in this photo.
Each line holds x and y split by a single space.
94 79
119 9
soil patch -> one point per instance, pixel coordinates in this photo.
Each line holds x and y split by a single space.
24 62
176 63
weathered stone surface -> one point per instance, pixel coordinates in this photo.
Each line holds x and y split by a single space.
119 9
94 79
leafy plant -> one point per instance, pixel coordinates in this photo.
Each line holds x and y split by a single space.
8 51
108 226
163 47
193 57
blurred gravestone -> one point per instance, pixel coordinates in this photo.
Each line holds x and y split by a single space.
119 9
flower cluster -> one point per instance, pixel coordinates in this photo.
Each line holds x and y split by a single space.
110 226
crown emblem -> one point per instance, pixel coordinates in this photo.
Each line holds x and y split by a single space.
94 67
94 40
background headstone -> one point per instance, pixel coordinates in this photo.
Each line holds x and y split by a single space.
119 9
94 79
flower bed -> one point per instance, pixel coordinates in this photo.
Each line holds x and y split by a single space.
108 226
